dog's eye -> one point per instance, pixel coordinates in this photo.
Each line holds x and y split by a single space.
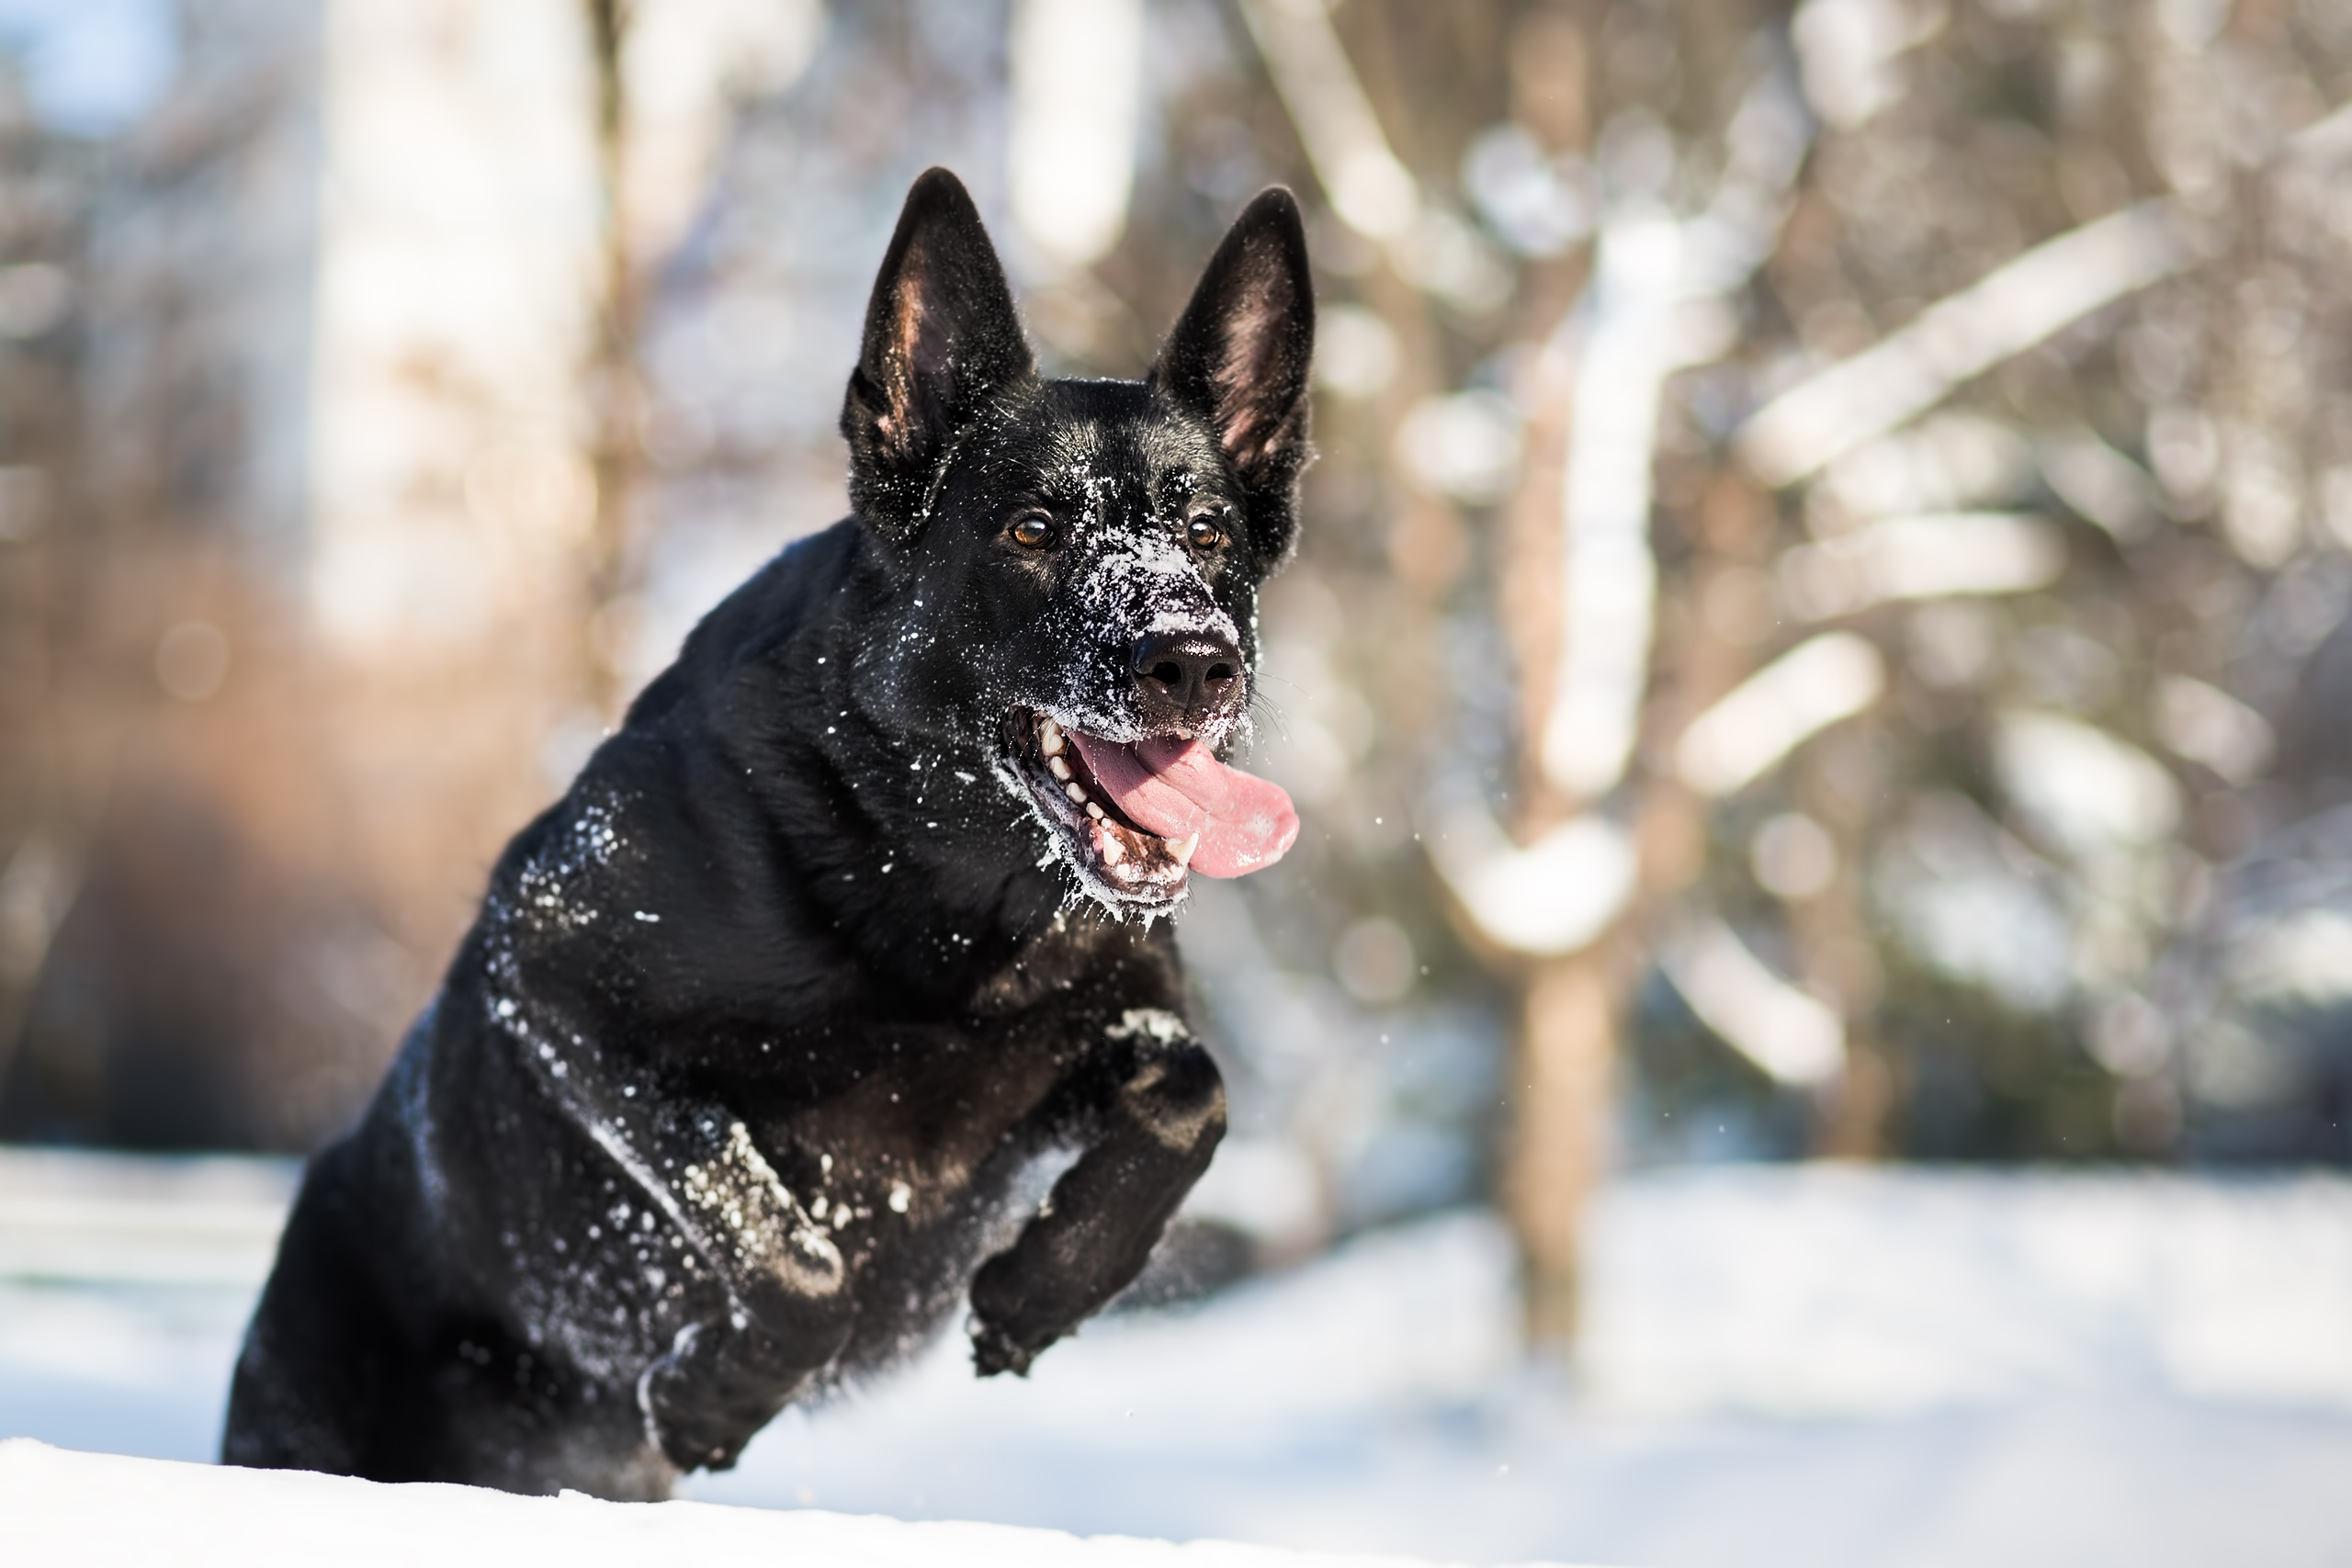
1032 531
1204 532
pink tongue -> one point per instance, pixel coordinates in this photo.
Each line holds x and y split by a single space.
1175 788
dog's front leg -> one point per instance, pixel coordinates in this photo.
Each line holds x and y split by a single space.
790 1308
1155 1111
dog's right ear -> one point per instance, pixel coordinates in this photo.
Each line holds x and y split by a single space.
1238 356
941 336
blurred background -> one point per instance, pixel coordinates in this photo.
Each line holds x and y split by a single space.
1812 1018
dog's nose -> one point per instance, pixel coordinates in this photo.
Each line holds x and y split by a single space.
1186 678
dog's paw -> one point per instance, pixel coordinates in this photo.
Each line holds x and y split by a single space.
687 1438
691 1450
694 1429
692 1444
994 1350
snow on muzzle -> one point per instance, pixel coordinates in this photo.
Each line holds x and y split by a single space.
1177 788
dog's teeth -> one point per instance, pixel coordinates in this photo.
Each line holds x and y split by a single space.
1094 811
1049 738
1113 850
1059 767
1077 795
1183 847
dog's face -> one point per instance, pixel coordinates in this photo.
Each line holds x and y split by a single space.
1077 563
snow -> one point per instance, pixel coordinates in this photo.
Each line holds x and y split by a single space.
1811 1365
64 1507
1863 1292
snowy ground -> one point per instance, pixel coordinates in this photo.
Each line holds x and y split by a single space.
64 1508
1810 1365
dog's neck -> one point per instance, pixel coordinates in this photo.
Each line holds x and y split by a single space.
911 846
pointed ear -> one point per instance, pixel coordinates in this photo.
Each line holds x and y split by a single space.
941 337
1240 355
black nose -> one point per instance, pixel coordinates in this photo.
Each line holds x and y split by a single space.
1186 678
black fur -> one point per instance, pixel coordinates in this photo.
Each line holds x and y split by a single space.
726 1093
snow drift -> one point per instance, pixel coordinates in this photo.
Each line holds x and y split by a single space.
64 1507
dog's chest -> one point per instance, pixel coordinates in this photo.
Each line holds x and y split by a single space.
937 1112
906 1171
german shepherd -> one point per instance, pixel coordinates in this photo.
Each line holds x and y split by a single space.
726 1093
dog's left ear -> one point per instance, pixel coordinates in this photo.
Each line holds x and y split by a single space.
1239 355
941 336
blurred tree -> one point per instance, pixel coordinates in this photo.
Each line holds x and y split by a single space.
1924 522
45 186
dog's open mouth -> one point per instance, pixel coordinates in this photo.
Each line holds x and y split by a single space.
1142 816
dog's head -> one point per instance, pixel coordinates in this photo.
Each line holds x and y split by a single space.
1075 565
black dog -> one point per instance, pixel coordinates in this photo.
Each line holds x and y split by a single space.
725 1094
